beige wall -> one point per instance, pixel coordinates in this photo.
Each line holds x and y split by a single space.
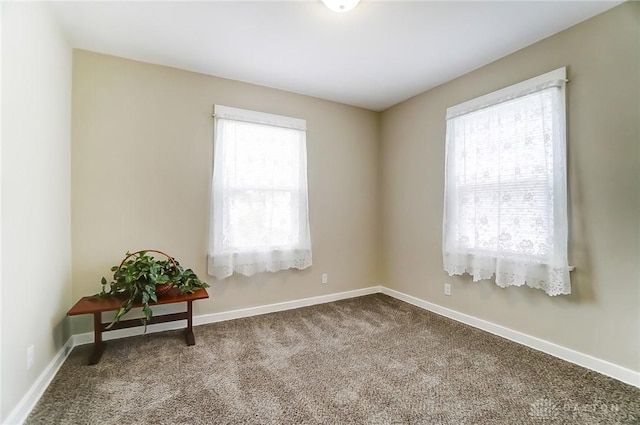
142 146
36 250
602 315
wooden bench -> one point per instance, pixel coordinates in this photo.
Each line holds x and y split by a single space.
97 305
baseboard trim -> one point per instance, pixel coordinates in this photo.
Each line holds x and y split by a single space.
87 338
604 367
287 305
20 413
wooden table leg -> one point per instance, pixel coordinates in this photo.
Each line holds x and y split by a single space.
98 345
191 340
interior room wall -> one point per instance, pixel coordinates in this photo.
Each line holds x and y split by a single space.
36 187
142 153
601 316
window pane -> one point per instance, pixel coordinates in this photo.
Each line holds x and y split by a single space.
262 219
505 209
504 174
261 156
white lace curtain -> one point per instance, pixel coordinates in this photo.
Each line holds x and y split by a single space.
259 219
505 208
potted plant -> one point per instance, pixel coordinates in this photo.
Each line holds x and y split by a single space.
143 278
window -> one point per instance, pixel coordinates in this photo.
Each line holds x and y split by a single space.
259 219
505 210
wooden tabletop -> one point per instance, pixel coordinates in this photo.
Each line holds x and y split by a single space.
97 304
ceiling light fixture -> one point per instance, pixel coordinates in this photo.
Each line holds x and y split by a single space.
341 6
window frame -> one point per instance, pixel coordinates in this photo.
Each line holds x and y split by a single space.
225 250
557 261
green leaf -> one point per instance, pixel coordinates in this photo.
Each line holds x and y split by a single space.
147 311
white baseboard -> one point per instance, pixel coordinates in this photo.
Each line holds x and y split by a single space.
87 338
24 407
598 365
19 414
287 305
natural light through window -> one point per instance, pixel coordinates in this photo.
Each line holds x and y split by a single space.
505 195
259 198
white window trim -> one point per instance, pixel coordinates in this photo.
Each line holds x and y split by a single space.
557 77
255 117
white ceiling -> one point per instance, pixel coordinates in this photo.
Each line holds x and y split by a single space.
377 55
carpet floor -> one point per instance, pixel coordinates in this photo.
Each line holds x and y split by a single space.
366 360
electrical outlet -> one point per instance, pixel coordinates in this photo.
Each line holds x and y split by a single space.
447 289
325 278
31 353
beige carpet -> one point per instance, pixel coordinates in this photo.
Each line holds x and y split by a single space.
368 360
